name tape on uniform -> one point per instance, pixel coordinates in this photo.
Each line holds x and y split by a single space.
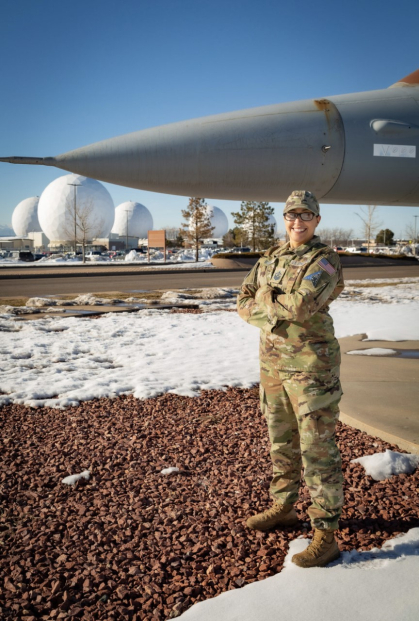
394 150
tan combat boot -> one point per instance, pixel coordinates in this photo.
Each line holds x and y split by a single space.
322 550
277 515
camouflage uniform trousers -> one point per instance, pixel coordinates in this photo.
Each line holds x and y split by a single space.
301 410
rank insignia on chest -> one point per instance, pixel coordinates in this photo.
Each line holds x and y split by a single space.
326 266
278 275
314 278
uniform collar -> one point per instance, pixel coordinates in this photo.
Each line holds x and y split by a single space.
300 250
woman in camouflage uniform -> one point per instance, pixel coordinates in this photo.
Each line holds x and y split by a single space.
287 295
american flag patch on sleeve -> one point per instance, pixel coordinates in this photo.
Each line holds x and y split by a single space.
326 266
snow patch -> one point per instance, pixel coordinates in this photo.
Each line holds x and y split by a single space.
375 584
40 302
151 352
176 295
71 480
373 351
169 470
382 466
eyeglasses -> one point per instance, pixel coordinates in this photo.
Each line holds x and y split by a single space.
306 216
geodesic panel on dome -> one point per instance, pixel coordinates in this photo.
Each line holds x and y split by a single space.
134 216
56 207
25 217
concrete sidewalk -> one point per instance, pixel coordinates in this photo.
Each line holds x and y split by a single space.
381 393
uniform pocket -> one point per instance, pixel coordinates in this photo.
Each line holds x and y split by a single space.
320 401
263 402
316 391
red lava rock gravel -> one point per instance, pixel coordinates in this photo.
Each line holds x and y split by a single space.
131 543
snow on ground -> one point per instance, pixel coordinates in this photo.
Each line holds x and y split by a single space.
380 322
176 261
381 466
367 586
146 353
57 363
373 351
73 478
388 312
394 291
169 470
185 263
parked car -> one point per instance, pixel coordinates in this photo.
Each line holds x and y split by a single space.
240 249
357 249
23 255
93 254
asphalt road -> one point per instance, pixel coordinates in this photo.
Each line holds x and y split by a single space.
176 280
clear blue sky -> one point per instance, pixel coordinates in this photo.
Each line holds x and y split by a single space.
73 73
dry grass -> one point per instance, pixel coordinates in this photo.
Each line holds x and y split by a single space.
113 295
13 301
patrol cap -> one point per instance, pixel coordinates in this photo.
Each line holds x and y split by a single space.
302 198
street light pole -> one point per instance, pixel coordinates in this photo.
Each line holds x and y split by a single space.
415 217
75 216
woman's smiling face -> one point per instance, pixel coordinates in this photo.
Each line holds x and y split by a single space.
300 231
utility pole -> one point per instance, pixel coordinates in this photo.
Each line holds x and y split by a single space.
75 216
415 217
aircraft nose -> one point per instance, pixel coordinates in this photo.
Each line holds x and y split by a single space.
258 154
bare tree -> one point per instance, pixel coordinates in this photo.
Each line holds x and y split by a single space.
369 221
82 224
198 223
412 232
335 236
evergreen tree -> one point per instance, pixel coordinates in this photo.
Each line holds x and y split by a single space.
198 223
228 239
385 236
253 221
179 240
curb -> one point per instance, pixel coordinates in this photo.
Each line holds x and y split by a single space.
81 274
406 445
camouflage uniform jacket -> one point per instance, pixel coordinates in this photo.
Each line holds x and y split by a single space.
286 295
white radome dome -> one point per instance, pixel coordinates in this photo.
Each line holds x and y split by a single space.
218 220
25 217
56 207
140 220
